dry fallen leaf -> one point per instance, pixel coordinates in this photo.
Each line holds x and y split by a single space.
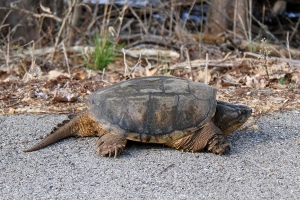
53 74
79 75
65 97
11 111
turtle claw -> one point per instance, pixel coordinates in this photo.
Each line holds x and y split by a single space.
110 145
110 150
221 149
218 145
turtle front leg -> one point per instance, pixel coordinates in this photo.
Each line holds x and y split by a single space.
209 138
111 145
218 145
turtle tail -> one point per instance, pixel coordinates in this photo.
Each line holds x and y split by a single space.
68 128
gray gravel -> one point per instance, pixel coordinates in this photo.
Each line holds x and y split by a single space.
263 164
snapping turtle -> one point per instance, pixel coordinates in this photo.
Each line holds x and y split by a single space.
172 111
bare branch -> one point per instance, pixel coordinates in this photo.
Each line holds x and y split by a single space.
42 15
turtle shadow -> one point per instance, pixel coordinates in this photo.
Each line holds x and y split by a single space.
270 132
253 140
136 146
240 141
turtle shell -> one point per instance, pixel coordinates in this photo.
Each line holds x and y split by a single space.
153 109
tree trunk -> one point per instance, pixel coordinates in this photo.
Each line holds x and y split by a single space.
222 17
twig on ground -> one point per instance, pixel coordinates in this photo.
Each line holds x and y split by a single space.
171 165
234 19
206 68
61 29
66 58
125 63
288 45
295 29
4 19
137 64
7 53
139 20
94 18
188 60
188 15
103 72
42 15
121 19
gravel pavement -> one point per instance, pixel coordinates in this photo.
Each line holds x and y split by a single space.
264 163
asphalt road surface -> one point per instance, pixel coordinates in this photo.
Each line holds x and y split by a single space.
264 163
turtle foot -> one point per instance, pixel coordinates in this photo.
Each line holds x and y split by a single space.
110 145
218 145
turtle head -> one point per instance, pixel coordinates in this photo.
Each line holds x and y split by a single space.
229 117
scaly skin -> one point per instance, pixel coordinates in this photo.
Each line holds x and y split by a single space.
208 138
81 126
